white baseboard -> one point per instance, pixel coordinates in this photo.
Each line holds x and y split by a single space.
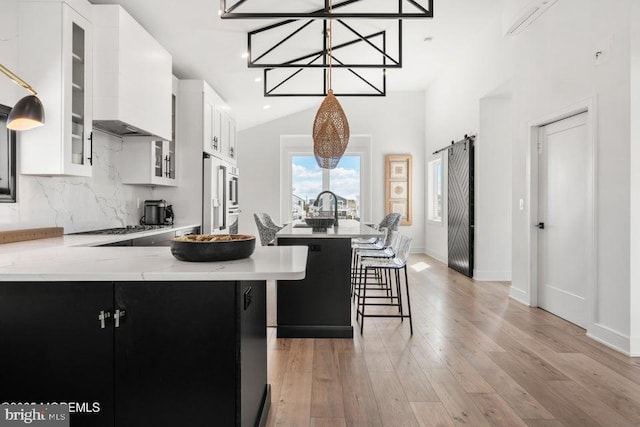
520 296
635 346
610 338
417 250
492 276
440 257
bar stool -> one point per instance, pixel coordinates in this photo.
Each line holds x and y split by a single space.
382 252
392 268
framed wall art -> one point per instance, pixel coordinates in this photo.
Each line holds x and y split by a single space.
398 186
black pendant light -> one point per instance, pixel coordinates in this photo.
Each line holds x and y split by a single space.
28 113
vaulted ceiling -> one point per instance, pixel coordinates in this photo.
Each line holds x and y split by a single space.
206 47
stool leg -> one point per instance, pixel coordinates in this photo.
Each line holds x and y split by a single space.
399 291
359 291
406 282
364 302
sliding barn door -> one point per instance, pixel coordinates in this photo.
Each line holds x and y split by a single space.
460 207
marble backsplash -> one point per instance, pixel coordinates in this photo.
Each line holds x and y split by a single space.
78 204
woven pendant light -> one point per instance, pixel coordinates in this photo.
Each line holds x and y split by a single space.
330 127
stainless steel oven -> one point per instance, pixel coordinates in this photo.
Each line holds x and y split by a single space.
232 180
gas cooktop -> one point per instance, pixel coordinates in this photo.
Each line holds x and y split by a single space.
126 230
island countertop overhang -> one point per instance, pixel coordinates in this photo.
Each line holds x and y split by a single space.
60 264
346 229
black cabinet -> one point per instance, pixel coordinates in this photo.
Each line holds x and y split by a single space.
169 354
319 306
56 349
161 239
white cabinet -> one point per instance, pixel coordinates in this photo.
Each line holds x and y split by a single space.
147 161
219 127
211 127
55 57
152 161
133 77
233 147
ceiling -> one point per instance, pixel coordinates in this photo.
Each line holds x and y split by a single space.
206 47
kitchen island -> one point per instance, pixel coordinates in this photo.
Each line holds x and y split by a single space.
130 336
319 306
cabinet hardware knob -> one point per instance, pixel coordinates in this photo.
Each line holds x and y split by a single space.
102 317
119 314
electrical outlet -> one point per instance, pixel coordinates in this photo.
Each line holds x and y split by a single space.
521 204
137 202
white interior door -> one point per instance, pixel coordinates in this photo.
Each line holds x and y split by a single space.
563 208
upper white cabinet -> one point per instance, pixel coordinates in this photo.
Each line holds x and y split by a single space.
210 119
55 56
147 160
132 77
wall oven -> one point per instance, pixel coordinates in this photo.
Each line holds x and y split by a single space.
233 208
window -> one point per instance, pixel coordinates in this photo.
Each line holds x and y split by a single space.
434 201
308 180
7 159
301 179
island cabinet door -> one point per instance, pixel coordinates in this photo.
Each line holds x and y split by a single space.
175 354
252 331
57 346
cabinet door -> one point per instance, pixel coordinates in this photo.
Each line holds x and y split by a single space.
175 354
253 350
208 131
77 54
233 148
218 131
54 348
56 47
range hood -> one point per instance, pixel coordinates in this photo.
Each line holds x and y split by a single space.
132 77
119 128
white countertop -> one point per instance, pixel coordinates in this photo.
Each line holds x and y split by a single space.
347 228
86 239
75 258
147 263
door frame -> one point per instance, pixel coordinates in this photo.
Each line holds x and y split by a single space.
588 106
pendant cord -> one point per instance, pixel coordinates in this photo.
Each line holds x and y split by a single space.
330 45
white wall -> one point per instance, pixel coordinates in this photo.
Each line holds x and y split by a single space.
552 65
634 257
396 125
492 259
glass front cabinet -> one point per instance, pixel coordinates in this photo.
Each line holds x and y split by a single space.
55 56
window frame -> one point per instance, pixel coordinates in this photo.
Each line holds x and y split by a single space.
302 145
11 196
432 187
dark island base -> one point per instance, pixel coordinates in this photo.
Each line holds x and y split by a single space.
315 331
266 406
319 306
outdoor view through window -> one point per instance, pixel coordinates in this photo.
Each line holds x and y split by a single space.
308 180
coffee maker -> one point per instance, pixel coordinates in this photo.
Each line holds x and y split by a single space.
157 212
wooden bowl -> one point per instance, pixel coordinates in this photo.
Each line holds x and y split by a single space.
207 248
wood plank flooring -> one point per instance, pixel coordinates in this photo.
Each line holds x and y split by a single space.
476 358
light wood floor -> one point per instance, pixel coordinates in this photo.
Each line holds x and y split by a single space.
475 358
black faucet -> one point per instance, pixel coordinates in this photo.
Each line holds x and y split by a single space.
335 204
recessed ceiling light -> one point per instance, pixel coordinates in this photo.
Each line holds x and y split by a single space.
245 55
428 39
266 107
258 79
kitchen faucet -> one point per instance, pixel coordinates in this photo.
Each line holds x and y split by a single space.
335 204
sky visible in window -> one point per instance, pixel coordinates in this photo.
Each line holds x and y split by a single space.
307 177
